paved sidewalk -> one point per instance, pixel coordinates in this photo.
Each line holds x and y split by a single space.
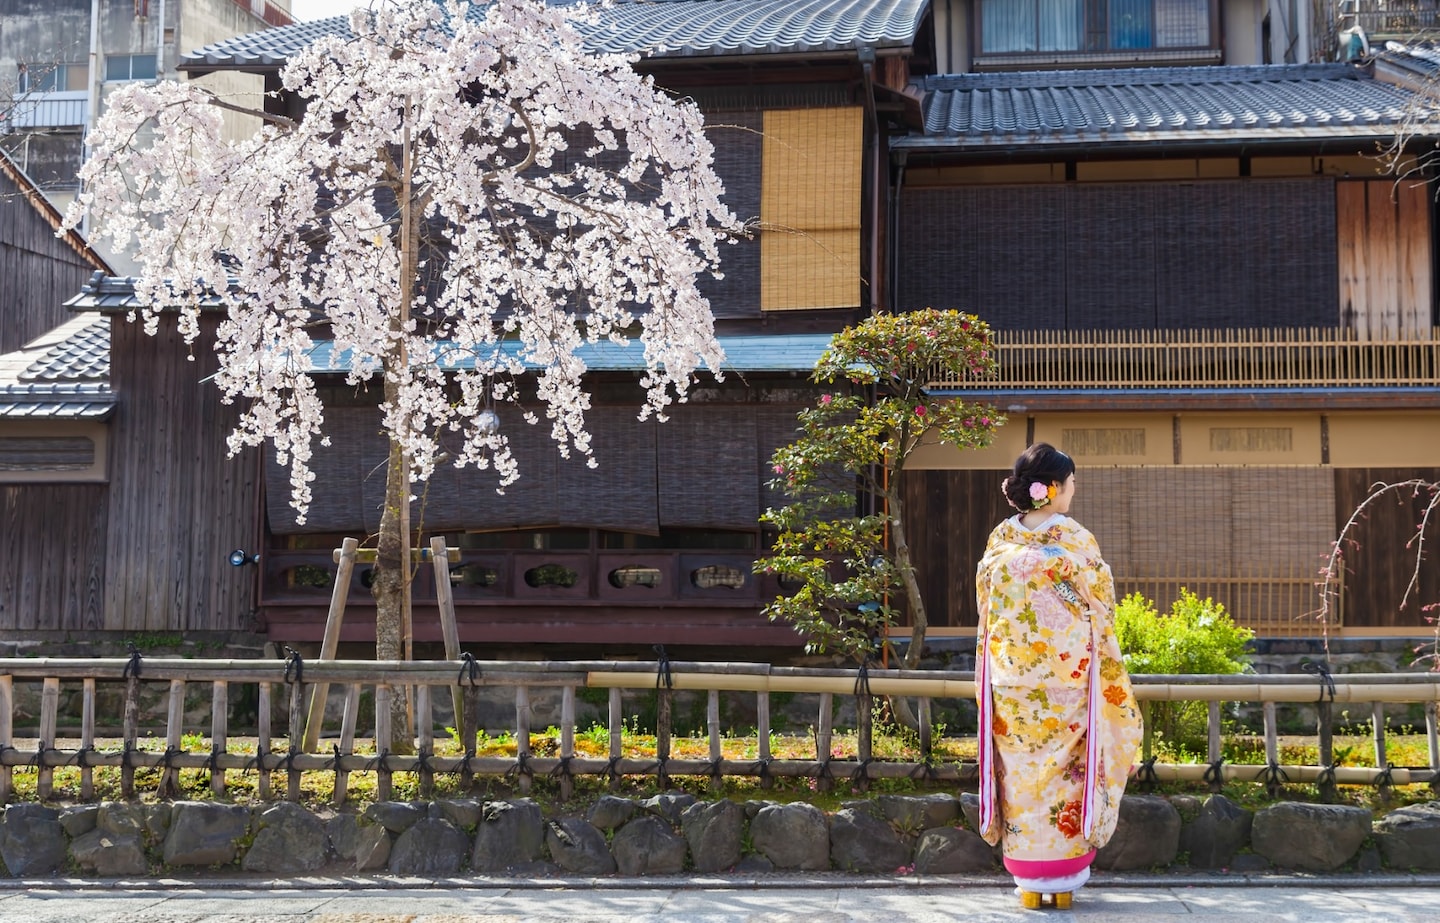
784 899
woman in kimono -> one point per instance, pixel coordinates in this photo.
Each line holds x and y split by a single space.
1059 725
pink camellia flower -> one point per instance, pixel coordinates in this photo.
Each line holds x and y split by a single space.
824 398
1039 491
920 411
779 469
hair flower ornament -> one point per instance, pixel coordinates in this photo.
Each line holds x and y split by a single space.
1042 494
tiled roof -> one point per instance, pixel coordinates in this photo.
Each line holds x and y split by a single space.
1191 104
1421 59
654 28
113 295
64 374
764 353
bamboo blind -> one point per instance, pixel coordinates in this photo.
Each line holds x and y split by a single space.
1301 357
810 209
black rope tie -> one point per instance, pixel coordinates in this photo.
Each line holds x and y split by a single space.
422 761
612 770
762 768
213 763
660 763
1272 775
294 666
287 762
1385 778
127 756
562 768
1215 772
712 768
662 668
1146 772
379 760
1321 671
465 764
924 771
132 666
169 758
862 772
82 756
469 670
38 760
1326 776
522 764
334 764
862 678
823 770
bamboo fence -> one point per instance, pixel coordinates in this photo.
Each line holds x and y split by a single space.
290 682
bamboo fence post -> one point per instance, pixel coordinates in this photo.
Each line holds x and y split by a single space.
219 735
523 775
712 729
445 602
1272 749
1382 761
425 720
87 737
1432 736
663 699
824 723
382 741
469 729
927 733
1213 746
296 738
262 740
347 740
616 720
130 731
174 728
762 733
49 710
7 736
567 740
865 728
1325 741
339 596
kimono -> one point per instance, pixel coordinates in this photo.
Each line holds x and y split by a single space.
1059 724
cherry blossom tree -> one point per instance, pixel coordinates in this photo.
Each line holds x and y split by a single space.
848 566
463 177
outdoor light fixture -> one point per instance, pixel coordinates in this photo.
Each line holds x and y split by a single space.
239 557
488 422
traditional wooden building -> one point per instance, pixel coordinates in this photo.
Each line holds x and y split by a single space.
1204 290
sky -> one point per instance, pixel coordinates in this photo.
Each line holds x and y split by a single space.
306 10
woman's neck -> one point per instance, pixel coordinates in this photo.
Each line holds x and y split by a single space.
1035 518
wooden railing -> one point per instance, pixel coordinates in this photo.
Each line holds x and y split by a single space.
294 678
1404 19
1314 357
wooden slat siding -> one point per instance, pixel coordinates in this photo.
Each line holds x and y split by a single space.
51 578
1380 568
180 505
1417 312
737 138
1350 249
705 458
40 270
951 514
1382 259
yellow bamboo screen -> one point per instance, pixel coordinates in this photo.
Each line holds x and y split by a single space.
1252 538
1313 357
810 209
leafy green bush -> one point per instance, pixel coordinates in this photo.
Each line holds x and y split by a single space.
1196 636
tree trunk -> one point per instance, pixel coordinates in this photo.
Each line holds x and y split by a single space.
389 587
914 603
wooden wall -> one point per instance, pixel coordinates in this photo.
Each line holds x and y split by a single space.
1380 567
38 271
52 556
1385 266
949 517
178 505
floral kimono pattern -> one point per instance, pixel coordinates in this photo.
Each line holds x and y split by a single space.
1059 725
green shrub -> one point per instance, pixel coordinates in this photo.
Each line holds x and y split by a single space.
1196 636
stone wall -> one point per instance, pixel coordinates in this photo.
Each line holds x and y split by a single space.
674 833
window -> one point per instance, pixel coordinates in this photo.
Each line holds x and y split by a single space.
51 78
1097 26
129 67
